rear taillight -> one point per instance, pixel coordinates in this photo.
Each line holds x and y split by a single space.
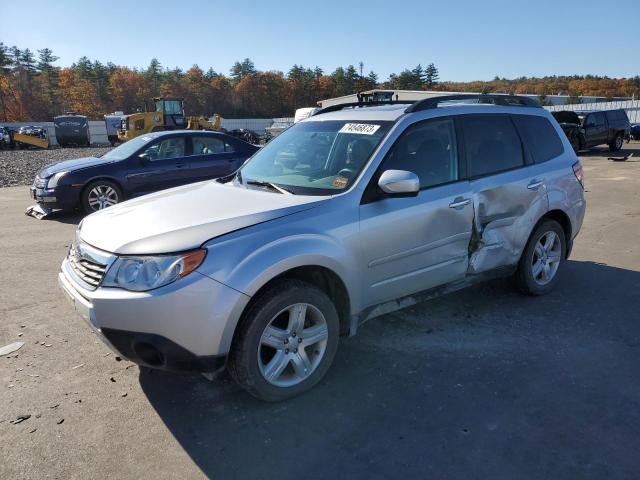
577 170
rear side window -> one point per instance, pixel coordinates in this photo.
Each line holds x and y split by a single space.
206 145
492 144
540 136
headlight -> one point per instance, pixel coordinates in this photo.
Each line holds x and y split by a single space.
53 181
148 272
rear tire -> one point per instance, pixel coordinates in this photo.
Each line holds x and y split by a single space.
99 195
289 315
542 259
616 144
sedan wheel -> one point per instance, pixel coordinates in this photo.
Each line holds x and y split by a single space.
292 345
100 195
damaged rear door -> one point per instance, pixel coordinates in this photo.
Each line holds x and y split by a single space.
508 190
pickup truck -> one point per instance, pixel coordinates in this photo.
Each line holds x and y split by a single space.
586 129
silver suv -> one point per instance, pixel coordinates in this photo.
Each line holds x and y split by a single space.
359 210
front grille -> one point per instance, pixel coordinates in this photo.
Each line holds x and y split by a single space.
40 182
86 269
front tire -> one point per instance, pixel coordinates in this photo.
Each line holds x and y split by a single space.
540 264
286 341
99 195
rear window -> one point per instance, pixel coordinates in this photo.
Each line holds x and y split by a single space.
617 115
492 144
540 136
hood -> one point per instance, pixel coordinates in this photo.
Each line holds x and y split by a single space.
185 217
70 165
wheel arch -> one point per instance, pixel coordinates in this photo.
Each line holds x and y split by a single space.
565 222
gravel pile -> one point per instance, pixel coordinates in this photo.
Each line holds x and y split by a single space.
18 167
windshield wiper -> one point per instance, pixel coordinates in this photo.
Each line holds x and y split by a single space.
270 185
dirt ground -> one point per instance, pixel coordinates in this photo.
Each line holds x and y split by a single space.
482 383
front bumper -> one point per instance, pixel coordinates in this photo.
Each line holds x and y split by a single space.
59 198
184 326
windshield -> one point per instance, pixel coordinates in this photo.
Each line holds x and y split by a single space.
171 107
127 149
316 158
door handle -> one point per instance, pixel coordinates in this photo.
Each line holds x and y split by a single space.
181 165
535 185
460 202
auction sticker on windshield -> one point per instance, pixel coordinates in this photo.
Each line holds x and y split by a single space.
361 128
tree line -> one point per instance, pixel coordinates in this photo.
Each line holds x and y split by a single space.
32 87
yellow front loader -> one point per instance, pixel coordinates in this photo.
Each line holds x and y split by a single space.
166 114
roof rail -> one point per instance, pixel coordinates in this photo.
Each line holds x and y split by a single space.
374 103
496 99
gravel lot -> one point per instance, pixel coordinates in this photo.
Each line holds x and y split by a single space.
18 167
483 383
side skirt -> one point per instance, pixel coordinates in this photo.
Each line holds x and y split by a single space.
410 300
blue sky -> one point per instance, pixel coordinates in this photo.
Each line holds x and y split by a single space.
467 40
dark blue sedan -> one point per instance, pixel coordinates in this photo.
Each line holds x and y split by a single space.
142 165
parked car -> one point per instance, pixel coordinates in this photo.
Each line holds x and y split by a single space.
587 129
348 215
143 165
245 134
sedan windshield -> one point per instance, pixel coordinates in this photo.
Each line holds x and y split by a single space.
127 149
315 158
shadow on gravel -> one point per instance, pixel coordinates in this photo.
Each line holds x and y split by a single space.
483 383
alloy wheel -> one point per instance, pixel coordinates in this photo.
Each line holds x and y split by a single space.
102 196
292 345
546 258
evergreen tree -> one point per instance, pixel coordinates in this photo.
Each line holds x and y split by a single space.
419 77
153 75
242 69
5 59
28 60
84 67
16 57
373 79
211 73
49 73
431 76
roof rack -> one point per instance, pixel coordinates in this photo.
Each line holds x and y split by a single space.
503 100
374 103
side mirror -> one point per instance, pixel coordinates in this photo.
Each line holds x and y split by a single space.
399 183
144 157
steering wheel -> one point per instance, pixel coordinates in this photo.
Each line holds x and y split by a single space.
347 172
